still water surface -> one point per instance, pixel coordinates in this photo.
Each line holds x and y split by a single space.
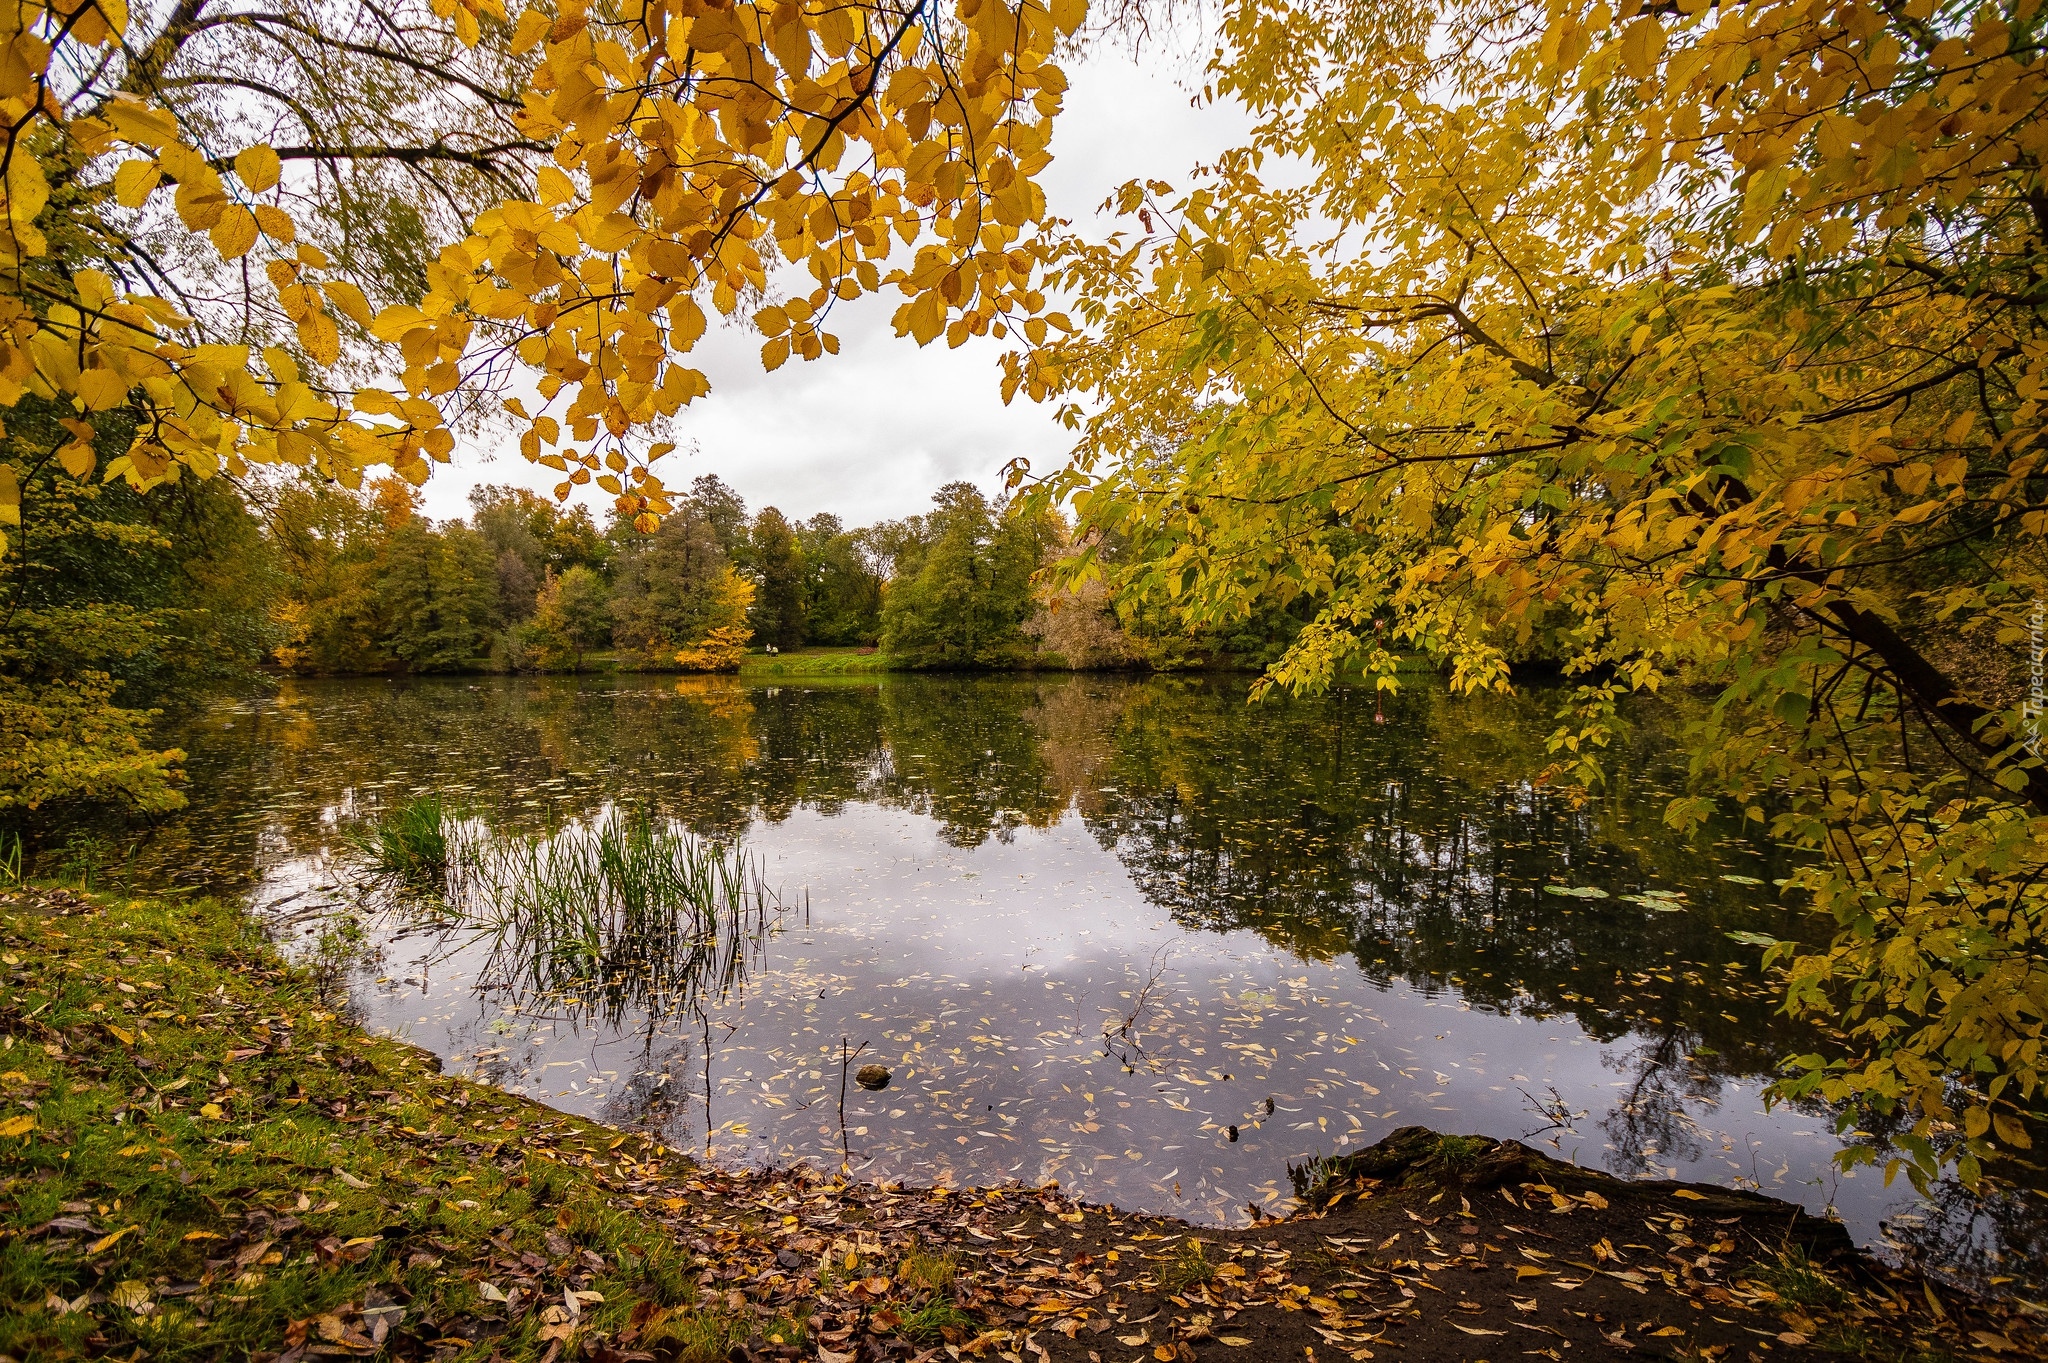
1095 926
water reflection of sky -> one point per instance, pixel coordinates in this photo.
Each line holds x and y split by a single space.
995 982
1346 920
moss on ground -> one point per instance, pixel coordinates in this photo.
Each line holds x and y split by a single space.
203 1159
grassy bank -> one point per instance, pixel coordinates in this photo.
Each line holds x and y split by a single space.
201 1158
816 662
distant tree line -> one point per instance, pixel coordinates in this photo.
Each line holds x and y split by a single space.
117 605
523 584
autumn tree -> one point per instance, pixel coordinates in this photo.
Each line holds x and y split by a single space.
571 617
671 590
113 606
725 512
320 237
1707 342
530 537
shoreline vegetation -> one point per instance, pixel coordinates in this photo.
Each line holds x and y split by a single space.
835 662
202 1157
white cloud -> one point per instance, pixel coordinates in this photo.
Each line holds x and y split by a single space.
870 432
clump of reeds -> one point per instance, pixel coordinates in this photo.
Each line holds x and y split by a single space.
413 839
625 907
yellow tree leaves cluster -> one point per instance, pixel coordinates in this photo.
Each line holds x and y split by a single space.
682 154
1680 341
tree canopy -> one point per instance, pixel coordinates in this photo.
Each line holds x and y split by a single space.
617 177
1703 343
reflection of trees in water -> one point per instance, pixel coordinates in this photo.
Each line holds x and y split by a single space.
1978 1238
1651 1122
1420 846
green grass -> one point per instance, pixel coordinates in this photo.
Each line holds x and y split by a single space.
930 1272
932 1322
711 1336
815 662
237 1162
1798 1281
1188 1267
411 840
1459 1153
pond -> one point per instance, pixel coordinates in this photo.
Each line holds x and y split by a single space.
1132 935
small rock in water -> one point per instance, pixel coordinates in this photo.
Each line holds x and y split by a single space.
872 1077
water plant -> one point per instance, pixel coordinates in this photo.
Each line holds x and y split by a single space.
625 910
411 839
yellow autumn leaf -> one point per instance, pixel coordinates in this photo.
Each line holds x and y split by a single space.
102 389
686 323
923 318
349 300
19 1125
234 232
107 1242
77 459
275 222
258 168
320 337
135 180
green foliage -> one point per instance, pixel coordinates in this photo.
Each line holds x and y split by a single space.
373 586
962 589
571 616
674 588
531 537
724 513
842 591
778 572
111 603
438 595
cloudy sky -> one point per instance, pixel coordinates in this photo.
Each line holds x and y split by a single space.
870 432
